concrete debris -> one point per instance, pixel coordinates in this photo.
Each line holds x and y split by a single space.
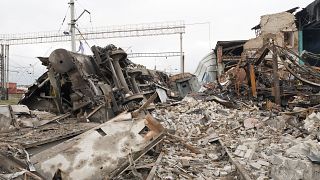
250 123
287 168
255 165
105 117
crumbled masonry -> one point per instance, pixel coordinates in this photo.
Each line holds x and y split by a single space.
257 116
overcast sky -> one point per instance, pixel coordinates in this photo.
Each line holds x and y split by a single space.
229 20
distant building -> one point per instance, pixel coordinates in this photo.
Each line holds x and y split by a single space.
13 89
308 24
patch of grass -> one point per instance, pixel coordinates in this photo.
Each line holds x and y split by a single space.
13 99
10 101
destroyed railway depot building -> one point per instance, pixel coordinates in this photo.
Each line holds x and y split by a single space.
250 111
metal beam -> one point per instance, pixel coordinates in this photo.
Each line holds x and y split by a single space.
276 83
4 71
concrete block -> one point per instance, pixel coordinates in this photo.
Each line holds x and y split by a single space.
255 165
263 163
242 147
223 173
249 154
228 168
216 172
237 152
241 154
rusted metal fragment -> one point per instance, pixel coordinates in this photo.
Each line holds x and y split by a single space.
98 152
253 81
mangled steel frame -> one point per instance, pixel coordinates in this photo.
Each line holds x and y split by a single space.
102 88
257 66
94 88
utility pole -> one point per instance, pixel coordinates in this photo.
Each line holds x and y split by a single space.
181 56
72 26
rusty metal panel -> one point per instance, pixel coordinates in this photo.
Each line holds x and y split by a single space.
253 81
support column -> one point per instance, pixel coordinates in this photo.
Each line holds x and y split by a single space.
2 72
300 40
72 26
6 79
276 83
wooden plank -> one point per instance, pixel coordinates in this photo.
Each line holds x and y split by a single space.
38 143
154 168
183 142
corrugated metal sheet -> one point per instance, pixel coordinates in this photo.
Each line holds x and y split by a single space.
207 69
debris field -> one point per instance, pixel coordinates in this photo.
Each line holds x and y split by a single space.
102 116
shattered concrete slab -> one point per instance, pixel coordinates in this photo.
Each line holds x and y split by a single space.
95 154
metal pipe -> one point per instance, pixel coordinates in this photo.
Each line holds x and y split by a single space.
118 70
115 77
134 84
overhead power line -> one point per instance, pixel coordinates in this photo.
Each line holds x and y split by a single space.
121 31
155 54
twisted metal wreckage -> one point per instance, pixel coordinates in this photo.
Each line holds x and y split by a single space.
275 73
87 116
84 91
96 87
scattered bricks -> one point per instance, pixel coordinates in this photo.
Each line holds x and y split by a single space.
249 154
262 178
255 165
237 152
241 154
185 162
228 168
313 115
242 147
223 173
240 151
213 156
242 163
263 163
250 123
318 116
216 172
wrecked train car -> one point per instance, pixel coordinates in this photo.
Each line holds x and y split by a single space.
94 87
82 119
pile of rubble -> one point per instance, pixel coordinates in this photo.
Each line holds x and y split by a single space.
214 142
104 117
86 116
